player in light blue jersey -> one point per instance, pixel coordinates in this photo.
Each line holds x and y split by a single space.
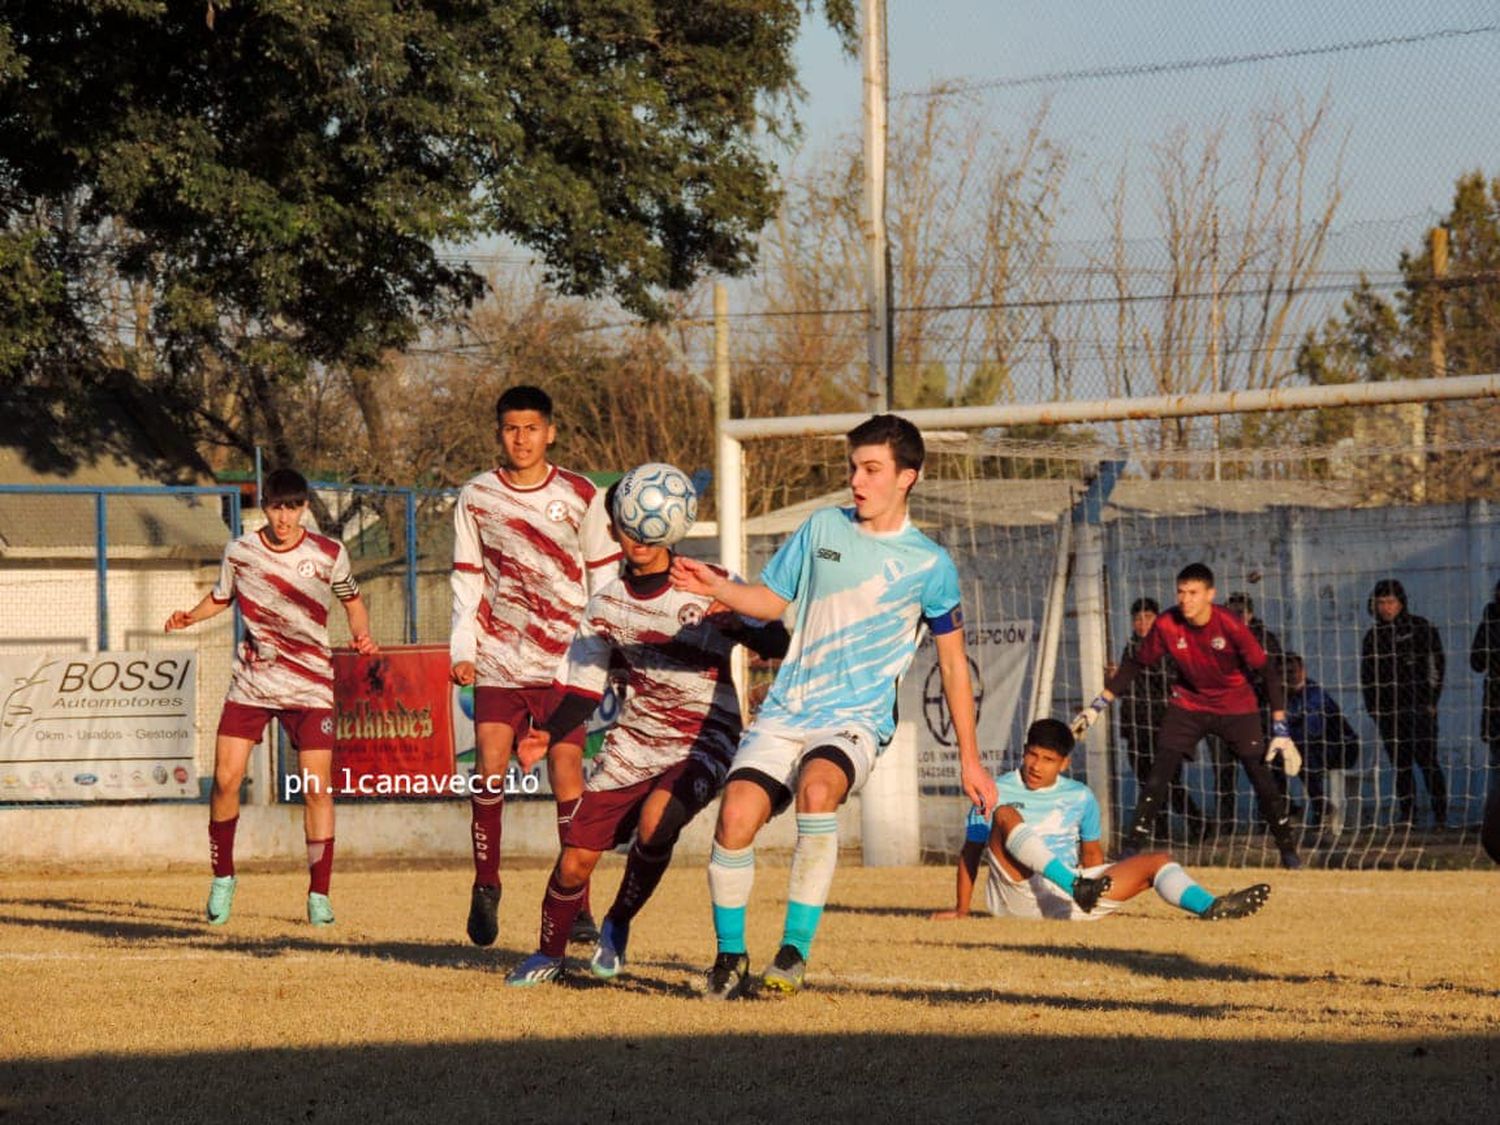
864 582
1044 857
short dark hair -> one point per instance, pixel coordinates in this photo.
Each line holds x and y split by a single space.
1050 734
904 439
1196 572
283 486
1291 661
523 397
1144 605
609 499
1240 598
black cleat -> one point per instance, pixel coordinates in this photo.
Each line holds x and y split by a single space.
728 979
1238 904
1088 892
585 930
484 906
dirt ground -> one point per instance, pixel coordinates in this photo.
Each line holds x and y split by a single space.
1355 996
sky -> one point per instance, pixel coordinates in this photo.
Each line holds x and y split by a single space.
1412 116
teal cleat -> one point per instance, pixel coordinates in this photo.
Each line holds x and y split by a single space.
609 954
536 969
319 909
220 899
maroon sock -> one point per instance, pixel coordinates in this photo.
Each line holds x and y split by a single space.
221 845
643 870
485 812
319 865
559 908
565 813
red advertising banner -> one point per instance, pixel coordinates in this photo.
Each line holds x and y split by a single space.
393 723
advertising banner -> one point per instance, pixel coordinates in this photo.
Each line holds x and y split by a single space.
98 726
393 724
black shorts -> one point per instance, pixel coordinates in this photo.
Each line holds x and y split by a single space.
1182 730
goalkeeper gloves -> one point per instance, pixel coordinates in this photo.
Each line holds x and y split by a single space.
1284 748
1088 716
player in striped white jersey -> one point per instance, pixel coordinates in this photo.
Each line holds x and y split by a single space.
284 578
666 756
530 541
1044 857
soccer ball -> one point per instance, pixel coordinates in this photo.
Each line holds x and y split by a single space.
655 504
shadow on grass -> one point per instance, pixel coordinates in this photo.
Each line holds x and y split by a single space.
737 1074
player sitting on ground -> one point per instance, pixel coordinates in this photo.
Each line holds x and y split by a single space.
284 578
530 541
1043 824
864 581
663 760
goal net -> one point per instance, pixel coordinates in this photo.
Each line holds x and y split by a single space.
1063 518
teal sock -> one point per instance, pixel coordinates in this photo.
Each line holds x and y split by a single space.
813 862
1030 850
1177 887
1059 873
731 874
801 926
1196 899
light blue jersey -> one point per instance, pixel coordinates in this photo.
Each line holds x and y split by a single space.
1063 814
860 599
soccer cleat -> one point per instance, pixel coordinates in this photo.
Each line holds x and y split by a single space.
220 899
1291 860
1088 892
319 909
609 954
585 931
536 969
728 978
484 905
1237 904
786 971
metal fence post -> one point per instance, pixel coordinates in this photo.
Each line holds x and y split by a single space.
411 565
101 570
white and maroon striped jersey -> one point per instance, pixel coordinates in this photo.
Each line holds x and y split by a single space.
679 697
524 560
284 595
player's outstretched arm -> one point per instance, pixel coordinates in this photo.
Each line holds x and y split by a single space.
185 618
958 691
359 626
751 599
968 874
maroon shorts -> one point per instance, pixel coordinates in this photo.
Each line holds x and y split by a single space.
520 709
307 728
608 817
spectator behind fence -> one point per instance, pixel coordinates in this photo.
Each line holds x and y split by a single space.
1484 658
1242 605
1401 676
1329 746
1142 709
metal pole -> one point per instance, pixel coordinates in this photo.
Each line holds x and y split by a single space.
260 476
729 481
877 295
101 571
411 566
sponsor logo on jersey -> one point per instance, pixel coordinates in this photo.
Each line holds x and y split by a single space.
829 553
557 511
1217 644
690 615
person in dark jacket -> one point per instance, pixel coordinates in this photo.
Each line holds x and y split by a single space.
1243 605
1484 658
1401 676
1327 741
1142 708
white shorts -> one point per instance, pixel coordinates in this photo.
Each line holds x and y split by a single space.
1037 898
777 750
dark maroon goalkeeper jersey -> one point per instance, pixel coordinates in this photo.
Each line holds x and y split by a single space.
1214 662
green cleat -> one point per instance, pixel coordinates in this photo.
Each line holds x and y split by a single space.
220 899
319 909
786 971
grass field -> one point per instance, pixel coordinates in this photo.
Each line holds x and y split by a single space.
1355 996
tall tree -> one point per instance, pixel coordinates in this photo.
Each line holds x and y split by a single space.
272 182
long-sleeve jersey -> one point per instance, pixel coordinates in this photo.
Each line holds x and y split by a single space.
1214 661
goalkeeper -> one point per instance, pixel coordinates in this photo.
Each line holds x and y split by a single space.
1216 657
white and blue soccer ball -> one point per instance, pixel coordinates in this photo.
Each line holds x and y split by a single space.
655 504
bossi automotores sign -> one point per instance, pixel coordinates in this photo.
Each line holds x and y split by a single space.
393 723
999 656
100 726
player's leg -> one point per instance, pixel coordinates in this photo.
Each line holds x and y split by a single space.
1020 851
240 728
1179 734
1177 888
565 775
315 763
497 712
1245 735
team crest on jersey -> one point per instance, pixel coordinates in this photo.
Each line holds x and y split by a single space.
690 615
1217 644
326 726
557 511
1182 644
307 568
